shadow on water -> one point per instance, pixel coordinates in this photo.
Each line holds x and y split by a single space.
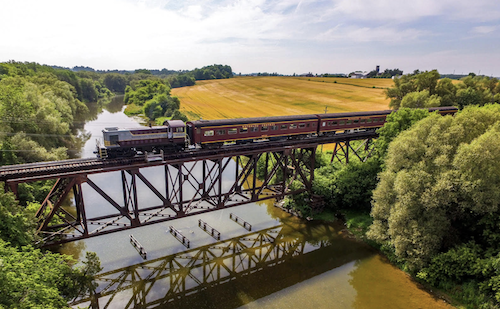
232 272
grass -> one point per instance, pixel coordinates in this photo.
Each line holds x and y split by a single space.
357 222
275 95
132 110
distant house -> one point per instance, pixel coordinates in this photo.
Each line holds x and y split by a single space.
307 74
357 74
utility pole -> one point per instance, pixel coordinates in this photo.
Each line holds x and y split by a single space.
326 109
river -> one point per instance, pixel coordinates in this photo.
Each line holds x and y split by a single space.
283 262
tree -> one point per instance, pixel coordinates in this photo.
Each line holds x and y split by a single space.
420 99
16 225
143 71
402 86
145 90
89 91
152 109
468 96
427 81
38 115
406 84
397 122
115 82
216 71
447 92
438 179
30 278
179 116
353 184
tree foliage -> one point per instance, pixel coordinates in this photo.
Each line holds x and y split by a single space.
16 224
441 178
30 278
181 80
144 90
216 71
397 122
153 95
39 112
426 89
115 82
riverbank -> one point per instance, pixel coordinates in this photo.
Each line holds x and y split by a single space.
356 226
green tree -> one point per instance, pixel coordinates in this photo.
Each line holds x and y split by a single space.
396 123
30 278
402 86
152 109
89 91
145 90
353 184
447 92
426 198
420 99
115 82
179 116
16 225
468 96
143 71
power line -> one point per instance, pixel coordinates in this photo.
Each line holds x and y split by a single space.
37 134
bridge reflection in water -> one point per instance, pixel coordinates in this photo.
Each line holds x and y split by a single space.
214 276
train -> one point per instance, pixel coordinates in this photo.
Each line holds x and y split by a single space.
175 135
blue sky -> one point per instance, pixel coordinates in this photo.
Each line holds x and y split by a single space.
289 36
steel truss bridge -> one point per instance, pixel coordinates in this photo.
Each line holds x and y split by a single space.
282 255
194 182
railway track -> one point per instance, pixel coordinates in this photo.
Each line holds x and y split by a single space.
55 169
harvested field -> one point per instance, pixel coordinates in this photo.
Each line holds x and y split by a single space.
273 96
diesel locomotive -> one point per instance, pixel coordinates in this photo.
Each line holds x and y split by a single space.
175 135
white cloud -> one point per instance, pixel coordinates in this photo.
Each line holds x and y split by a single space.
392 35
193 12
484 29
404 11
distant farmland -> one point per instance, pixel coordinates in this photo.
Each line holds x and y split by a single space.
273 96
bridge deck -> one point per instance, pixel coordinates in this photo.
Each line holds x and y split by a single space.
74 167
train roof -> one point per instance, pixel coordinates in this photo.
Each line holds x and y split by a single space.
354 114
382 112
221 122
174 123
116 129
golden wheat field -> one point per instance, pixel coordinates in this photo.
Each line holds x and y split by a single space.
275 95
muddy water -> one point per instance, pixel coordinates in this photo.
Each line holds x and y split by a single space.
283 262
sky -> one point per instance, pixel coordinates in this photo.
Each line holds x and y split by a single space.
288 36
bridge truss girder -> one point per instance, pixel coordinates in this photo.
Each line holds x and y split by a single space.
186 191
343 150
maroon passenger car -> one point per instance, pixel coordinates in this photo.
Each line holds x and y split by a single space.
341 122
244 130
